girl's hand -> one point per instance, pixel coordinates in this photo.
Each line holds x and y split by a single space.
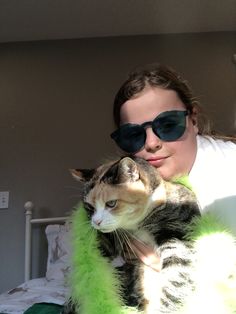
145 253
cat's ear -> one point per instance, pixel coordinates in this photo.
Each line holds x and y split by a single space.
82 175
128 170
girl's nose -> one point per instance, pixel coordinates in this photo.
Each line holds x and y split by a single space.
153 142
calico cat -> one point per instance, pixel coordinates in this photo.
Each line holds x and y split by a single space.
128 203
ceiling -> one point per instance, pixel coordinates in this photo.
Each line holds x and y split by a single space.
27 20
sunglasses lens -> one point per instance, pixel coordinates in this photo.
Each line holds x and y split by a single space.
130 138
170 126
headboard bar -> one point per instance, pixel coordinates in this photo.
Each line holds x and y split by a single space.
28 216
46 220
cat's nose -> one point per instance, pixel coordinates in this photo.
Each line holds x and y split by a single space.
97 221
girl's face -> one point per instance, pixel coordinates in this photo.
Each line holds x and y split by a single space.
171 158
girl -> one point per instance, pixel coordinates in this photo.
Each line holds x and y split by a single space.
159 119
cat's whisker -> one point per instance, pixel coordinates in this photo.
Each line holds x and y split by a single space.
121 239
126 247
111 225
128 243
118 238
132 235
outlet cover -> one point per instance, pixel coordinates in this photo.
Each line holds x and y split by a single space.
4 199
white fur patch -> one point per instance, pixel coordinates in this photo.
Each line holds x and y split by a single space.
151 289
159 195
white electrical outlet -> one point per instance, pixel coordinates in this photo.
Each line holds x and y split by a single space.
4 199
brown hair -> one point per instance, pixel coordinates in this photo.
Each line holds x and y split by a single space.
157 75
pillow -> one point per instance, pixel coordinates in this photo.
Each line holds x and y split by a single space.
58 261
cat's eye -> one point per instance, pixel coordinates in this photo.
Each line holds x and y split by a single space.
111 204
89 207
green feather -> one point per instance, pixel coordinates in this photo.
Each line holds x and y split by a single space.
96 287
94 282
206 224
183 180
215 267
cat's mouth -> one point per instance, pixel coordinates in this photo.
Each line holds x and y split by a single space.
106 231
103 229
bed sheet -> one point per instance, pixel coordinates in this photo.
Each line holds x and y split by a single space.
19 299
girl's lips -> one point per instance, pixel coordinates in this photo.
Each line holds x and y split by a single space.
156 162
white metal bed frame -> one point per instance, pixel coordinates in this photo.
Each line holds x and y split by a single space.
28 233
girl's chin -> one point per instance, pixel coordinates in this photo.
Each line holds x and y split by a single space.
165 173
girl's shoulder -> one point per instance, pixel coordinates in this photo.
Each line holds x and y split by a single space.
217 146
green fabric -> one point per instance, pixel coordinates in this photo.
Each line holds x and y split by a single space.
44 308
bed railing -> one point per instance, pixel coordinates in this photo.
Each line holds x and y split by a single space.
29 206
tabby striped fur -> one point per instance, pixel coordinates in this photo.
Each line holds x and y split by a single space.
127 199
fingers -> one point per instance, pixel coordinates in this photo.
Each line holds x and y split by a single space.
146 254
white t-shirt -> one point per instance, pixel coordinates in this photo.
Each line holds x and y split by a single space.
213 178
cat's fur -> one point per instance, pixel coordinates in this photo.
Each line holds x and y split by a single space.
127 199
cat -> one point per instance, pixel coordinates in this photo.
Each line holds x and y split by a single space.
129 203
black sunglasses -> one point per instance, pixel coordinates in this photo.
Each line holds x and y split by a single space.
168 126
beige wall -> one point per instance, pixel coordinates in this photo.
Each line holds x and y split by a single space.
56 106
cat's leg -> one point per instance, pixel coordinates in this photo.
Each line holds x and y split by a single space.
128 277
148 287
177 270
166 290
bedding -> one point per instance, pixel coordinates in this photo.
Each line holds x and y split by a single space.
58 261
51 289
18 300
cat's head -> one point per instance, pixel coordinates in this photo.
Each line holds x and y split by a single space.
118 194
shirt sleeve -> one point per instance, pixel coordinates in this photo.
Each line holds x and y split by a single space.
213 178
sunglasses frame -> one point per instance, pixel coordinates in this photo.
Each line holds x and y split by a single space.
181 113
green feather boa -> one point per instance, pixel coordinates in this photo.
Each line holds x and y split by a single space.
94 282
96 288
